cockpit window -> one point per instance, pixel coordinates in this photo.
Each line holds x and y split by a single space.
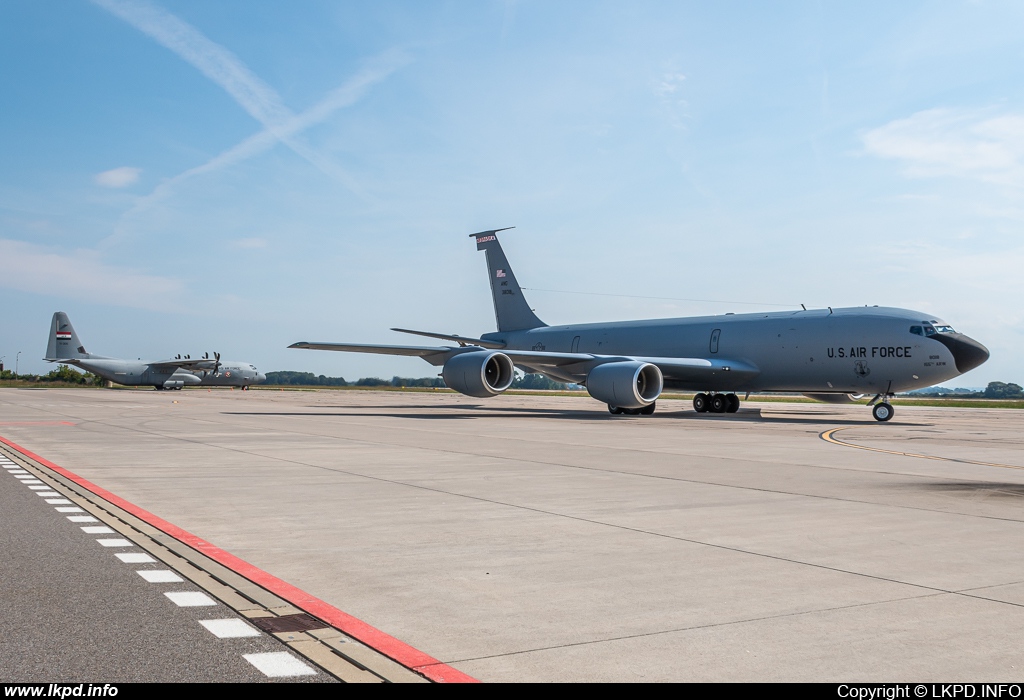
929 329
916 330
944 329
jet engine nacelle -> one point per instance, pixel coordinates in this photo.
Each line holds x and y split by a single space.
625 384
480 374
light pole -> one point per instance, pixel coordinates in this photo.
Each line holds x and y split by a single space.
16 358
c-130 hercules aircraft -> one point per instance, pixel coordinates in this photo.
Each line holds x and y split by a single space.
65 348
833 355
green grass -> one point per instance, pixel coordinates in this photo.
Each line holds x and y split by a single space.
758 398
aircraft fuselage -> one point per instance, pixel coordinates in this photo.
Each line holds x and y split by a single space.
853 350
138 373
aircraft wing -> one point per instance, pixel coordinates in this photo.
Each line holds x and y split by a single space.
197 363
569 366
433 355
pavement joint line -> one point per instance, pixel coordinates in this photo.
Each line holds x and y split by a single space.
592 469
744 621
627 528
829 436
570 466
667 536
155 542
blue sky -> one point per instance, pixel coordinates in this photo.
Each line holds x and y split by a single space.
195 176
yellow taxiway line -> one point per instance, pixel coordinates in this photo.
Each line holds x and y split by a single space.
827 436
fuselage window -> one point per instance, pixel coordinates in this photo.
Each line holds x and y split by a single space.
916 330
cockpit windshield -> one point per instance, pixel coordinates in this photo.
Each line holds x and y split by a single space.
931 329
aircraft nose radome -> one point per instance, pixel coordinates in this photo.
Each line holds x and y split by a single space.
968 353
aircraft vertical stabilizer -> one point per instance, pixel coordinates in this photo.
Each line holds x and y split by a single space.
63 343
511 311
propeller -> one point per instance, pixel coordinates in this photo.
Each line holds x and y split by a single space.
216 362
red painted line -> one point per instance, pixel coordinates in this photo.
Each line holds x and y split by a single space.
396 649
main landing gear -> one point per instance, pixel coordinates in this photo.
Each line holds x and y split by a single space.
647 410
716 403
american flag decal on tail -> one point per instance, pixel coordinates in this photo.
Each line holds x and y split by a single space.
501 273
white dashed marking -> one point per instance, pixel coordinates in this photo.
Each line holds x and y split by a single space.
190 599
135 558
279 664
70 509
226 629
58 501
160 576
115 543
97 530
24 476
40 487
82 519
49 494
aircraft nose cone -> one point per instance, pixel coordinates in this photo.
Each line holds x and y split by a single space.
968 353
260 377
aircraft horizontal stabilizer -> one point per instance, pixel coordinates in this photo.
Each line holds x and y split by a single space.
455 338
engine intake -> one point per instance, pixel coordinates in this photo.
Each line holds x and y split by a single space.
627 384
480 374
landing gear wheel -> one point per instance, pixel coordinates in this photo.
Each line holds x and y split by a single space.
733 403
700 403
719 403
647 410
614 410
882 411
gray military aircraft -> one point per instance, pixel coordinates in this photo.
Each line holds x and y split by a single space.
65 347
833 355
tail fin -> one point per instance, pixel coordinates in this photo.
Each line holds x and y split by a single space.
510 308
63 343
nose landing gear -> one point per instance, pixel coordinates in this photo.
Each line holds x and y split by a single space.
883 411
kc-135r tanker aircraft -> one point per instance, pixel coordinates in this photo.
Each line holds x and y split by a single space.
65 347
833 355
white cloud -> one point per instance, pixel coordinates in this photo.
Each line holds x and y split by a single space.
82 274
118 177
257 98
954 143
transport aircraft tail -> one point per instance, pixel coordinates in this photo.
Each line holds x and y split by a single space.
64 343
511 311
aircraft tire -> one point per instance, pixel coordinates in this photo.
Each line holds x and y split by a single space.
614 410
882 412
648 410
733 403
700 403
718 403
